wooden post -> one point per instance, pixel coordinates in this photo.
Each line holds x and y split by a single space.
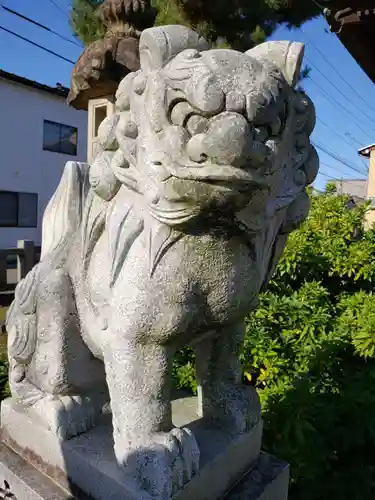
3 269
25 261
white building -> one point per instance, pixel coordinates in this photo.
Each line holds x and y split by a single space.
39 133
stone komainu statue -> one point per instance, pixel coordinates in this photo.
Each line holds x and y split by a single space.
165 241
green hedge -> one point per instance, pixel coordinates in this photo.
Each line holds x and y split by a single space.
4 386
309 350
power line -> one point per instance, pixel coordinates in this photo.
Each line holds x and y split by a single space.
336 133
356 141
340 91
57 7
36 45
335 102
36 23
334 169
343 139
339 105
337 157
335 70
329 176
329 166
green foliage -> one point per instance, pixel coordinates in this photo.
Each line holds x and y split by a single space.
331 247
184 370
304 75
322 423
331 188
242 24
310 352
284 333
4 385
85 24
169 12
310 347
357 316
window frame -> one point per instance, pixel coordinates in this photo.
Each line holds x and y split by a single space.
61 126
17 195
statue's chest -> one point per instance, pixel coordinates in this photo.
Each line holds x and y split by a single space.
98 273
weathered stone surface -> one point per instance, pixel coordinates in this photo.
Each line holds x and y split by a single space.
101 67
267 480
88 460
20 480
200 177
105 62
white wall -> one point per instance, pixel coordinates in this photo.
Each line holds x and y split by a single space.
24 166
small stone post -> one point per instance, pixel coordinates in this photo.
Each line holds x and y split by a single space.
26 261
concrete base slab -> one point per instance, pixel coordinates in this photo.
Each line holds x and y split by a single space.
267 480
19 480
85 466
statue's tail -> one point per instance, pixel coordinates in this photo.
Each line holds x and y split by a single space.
63 214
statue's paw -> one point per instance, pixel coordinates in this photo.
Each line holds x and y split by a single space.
66 416
185 457
164 463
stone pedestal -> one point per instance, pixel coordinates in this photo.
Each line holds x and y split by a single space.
35 465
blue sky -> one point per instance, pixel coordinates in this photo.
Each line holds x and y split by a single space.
343 95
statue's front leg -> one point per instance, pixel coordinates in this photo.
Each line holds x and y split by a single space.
162 459
223 399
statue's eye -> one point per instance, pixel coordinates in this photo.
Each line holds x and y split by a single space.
184 115
180 113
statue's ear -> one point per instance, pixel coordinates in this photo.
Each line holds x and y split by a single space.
286 56
159 45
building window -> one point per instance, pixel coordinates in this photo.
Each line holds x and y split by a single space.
18 209
59 138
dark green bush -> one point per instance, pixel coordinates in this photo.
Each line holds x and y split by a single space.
4 386
310 351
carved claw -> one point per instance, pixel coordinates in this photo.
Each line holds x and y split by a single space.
164 464
66 416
